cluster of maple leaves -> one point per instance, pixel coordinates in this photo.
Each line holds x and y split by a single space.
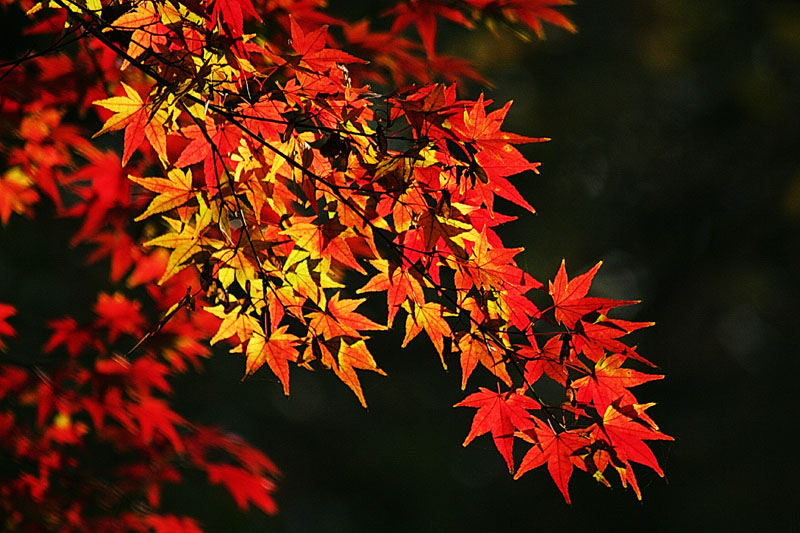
268 184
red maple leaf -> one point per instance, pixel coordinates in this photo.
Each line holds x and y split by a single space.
119 315
400 286
609 383
209 142
6 330
626 427
594 339
119 246
232 14
533 12
502 414
570 300
172 524
423 14
429 316
479 348
155 415
66 331
17 194
555 449
547 360
323 240
311 52
246 487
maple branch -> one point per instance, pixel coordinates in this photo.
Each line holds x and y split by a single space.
233 118
393 245
313 126
245 228
187 300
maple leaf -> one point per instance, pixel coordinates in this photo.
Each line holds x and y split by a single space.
172 524
483 130
436 229
400 286
144 22
495 157
148 268
429 316
11 380
570 300
17 194
490 266
6 330
502 414
119 245
265 117
479 349
246 487
313 53
107 192
595 338
66 331
131 113
234 322
174 191
555 449
119 314
533 13
387 50
208 142
276 351
429 107
609 383
348 358
340 319
626 427
324 240
232 14
156 415
186 240
423 15
547 360
146 373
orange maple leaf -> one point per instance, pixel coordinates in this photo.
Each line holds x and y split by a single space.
340 319
400 286
276 351
348 358
429 316
479 349
131 113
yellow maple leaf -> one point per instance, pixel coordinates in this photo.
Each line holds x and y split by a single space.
172 192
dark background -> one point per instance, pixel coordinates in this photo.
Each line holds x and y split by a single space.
676 132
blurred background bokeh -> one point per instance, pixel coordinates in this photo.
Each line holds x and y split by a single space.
676 160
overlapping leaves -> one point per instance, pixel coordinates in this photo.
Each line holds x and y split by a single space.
263 167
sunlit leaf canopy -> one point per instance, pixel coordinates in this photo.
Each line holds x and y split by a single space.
267 175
